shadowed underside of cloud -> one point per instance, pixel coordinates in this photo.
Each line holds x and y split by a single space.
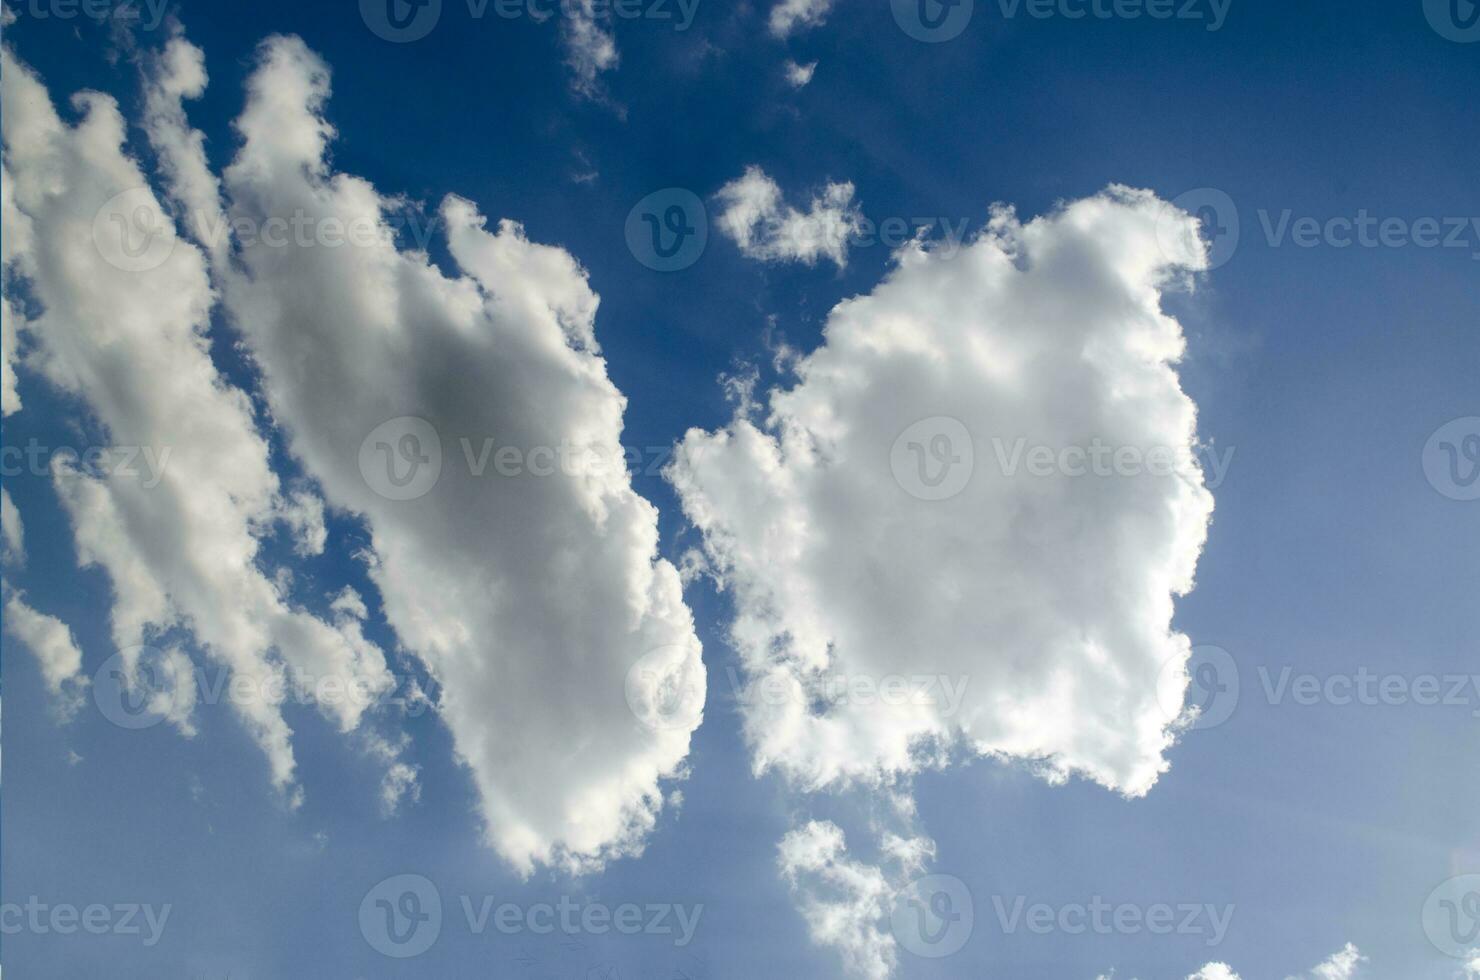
530 599
537 603
876 526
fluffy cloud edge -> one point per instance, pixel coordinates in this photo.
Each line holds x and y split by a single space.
756 217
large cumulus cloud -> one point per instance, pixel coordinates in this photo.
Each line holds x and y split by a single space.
538 602
985 474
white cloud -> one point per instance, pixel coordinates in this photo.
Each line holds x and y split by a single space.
790 16
508 589
16 241
1341 966
765 227
1472 968
177 73
123 328
349 603
12 531
303 513
56 652
399 784
798 75
1051 595
590 45
842 900
1016 616
528 598
10 399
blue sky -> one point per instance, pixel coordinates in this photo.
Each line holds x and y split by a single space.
1324 370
